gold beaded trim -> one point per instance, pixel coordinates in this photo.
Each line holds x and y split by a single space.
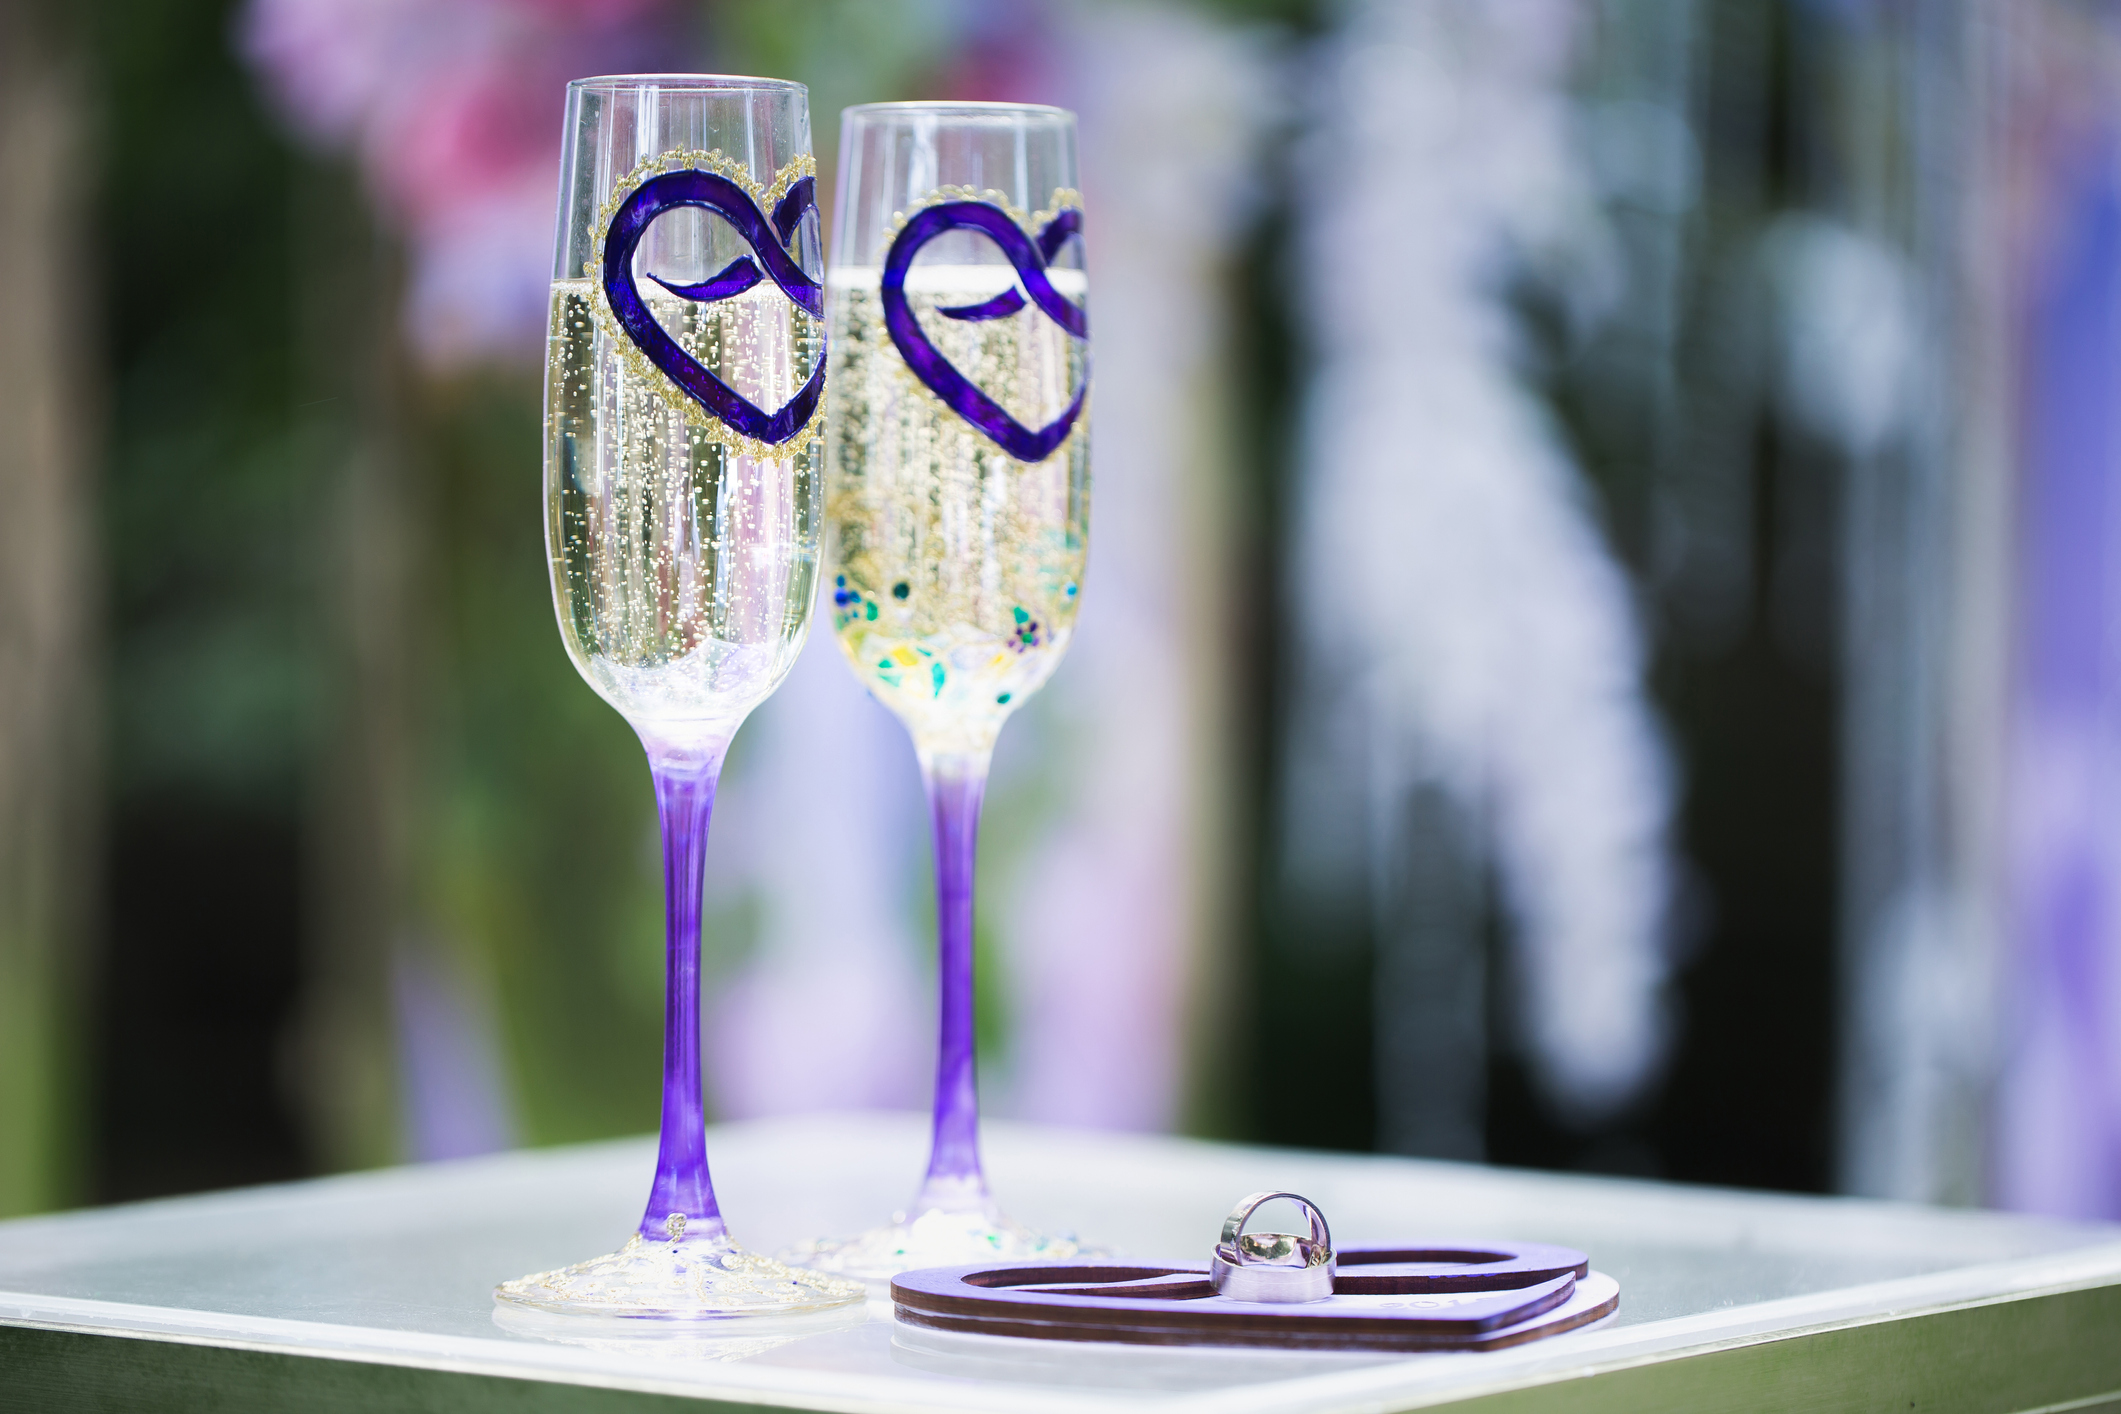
638 363
1063 199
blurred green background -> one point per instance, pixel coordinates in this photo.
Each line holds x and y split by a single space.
306 730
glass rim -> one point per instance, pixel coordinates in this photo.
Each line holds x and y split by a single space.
703 83
973 106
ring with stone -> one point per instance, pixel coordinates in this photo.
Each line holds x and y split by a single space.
1278 1267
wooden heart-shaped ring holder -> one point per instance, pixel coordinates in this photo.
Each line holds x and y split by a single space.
1384 1298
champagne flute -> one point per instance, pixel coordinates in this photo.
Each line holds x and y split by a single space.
958 497
682 451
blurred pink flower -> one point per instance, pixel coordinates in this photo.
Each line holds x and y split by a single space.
452 108
1006 54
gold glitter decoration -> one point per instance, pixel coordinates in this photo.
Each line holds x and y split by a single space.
1064 199
639 364
673 1279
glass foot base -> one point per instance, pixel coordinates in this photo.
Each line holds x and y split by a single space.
680 1281
674 1340
939 1237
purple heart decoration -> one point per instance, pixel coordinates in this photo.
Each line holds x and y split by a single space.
726 199
957 391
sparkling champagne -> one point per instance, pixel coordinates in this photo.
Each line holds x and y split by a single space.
957 568
683 570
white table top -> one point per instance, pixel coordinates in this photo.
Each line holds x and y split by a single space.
397 1266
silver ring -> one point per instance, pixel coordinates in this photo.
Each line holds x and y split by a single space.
1278 1267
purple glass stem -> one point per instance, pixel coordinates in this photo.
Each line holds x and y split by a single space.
956 784
681 1203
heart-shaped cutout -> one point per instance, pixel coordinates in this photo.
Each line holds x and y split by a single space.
769 242
1030 259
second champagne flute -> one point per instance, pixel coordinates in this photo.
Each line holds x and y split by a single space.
958 497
